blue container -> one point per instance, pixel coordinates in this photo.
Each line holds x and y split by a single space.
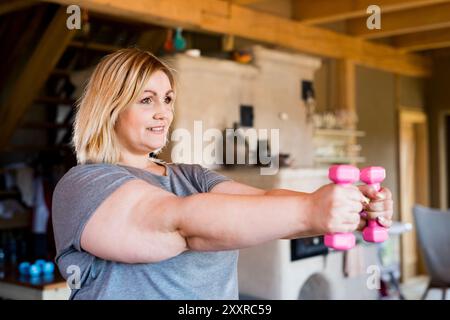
24 268
35 281
47 278
48 268
40 263
35 270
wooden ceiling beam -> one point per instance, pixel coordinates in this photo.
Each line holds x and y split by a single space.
11 6
403 22
244 2
326 11
224 18
421 41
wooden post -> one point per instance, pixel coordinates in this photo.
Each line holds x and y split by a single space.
346 94
346 74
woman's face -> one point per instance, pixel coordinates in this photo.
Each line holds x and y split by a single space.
143 127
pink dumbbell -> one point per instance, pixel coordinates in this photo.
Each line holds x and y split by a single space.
343 175
373 176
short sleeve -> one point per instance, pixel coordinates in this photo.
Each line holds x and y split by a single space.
76 197
203 179
212 178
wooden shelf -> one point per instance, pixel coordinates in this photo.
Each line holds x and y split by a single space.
339 132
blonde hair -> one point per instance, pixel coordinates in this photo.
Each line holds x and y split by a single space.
116 83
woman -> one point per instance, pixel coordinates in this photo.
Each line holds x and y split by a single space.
129 227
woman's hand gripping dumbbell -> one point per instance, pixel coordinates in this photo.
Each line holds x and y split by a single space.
379 210
338 207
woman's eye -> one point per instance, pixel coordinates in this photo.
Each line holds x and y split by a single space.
168 100
147 100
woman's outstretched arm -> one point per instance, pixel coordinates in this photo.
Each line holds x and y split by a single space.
141 223
378 205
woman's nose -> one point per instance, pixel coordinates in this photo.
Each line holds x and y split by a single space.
160 115
161 111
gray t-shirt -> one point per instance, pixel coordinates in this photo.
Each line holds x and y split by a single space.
190 275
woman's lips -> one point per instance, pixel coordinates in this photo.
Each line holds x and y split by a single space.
157 129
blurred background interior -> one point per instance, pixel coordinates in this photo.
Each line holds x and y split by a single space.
339 93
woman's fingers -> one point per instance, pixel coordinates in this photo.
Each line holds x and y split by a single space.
352 193
379 205
362 224
370 192
352 219
351 202
384 221
383 217
375 214
385 193
355 207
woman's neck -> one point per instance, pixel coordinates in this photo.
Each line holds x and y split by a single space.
142 162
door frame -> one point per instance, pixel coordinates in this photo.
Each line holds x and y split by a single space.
414 116
442 153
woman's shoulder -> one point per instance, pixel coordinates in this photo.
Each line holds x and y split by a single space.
90 173
94 168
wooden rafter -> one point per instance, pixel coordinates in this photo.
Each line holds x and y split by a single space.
346 71
225 18
435 39
244 2
34 74
404 22
325 11
10 6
